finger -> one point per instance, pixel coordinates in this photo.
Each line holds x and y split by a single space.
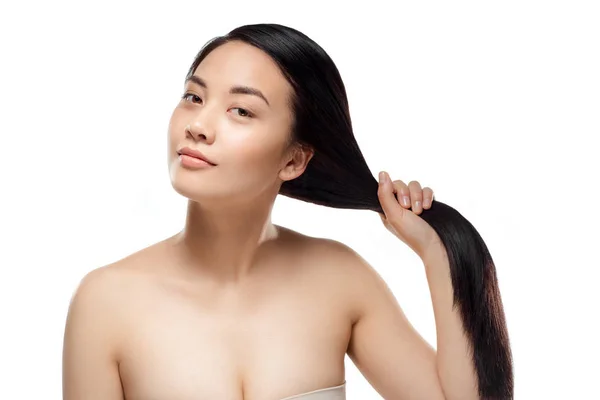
427 197
403 193
416 196
388 201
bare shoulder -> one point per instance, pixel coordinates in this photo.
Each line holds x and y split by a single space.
98 291
340 258
340 265
107 282
102 292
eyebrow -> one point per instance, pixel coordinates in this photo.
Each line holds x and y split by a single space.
234 89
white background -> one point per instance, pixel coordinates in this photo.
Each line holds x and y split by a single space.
495 106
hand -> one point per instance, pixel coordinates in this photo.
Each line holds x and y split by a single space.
402 222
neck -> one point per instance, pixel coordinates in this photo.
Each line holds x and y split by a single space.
222 243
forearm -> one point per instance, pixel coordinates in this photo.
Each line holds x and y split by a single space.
454 360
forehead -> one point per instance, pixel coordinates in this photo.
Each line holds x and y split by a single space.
237 63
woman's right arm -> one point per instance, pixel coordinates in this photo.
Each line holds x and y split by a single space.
90 364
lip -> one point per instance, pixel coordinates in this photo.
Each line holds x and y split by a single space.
186 151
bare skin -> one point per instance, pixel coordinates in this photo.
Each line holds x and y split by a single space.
234 307
282 331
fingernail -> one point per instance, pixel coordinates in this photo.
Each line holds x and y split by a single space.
426 203
406 201
383 177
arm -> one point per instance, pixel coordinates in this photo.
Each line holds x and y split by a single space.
390 353
90 369
384 346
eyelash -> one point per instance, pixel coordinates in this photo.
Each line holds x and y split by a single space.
248 113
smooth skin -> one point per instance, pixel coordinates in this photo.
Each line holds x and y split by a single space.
236 307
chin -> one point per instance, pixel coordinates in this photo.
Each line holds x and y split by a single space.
192 186
189 187
192 193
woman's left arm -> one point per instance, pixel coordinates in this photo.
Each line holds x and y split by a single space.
392 355
395 359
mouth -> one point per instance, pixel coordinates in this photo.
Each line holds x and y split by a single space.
194 156
193 159
193 162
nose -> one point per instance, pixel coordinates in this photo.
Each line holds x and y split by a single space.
199 131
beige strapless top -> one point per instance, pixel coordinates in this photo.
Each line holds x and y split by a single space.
331 393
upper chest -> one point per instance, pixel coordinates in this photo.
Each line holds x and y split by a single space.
274 338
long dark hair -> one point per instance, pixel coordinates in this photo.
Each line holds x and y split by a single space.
338 176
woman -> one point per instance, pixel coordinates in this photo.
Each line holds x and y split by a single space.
235 307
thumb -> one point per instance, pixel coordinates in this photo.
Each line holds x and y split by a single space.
387 198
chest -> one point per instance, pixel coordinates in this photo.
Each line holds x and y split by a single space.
269 343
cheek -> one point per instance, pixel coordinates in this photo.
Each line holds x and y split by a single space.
175 123
255 154
175 133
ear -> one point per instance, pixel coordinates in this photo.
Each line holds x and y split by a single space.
296 161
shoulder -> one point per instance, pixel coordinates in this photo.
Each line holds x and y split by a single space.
93 314
341 258
105 284
97 302
118 276
342 266
323 248
99 294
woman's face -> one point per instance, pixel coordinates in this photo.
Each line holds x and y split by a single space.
236 112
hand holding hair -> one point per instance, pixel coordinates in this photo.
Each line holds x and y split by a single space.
401 205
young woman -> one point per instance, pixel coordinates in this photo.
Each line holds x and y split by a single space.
236 307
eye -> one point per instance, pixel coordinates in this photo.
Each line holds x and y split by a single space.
243 112
187 95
